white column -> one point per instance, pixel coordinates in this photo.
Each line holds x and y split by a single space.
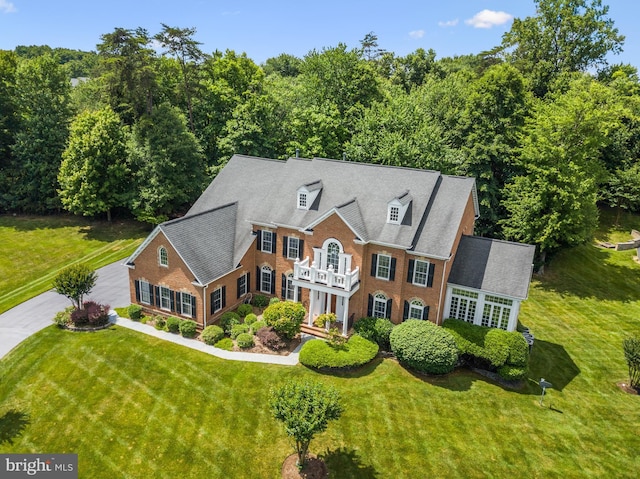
328 305
345 317
312 305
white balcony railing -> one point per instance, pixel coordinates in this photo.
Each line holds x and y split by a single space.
313 274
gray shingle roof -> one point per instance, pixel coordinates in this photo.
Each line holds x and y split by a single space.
493 266
205 241
266 193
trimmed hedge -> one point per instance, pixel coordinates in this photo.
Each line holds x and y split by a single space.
257 326
375 329
317 353
245 340
238 329
244 309
490 348
423 346
228 319
212 334
285 317
135 312
225 343
173 324
250 318
188 328
260 301
160 323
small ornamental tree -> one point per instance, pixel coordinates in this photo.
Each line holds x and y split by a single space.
631 348
74 282
305 409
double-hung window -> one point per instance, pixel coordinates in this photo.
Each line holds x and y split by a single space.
185 304
145 292
267 241
266 278
216 300
420 272
416 309
165 298
242 285
380 306
293 249
290 288
383 269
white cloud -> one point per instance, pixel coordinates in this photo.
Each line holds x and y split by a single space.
7 7
488 19
416 34
448 23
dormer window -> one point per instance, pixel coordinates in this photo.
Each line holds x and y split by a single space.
397 208
307 194
302 201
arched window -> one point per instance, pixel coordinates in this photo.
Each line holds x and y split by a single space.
266 279
416 309
380 306
163 257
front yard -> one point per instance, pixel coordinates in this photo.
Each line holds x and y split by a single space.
135 406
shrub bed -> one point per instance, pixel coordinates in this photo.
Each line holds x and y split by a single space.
245 340
423 346
250 319
225 343
260 301
257 326
244 309
228 319
135 312
188 328
505 352
377 330
160 323
318 354
92 314
270 339
285 317
238 329
212 334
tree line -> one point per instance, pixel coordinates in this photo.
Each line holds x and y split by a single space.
544 124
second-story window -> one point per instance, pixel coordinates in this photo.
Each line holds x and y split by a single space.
267 241
333 255
383 269
163 256
293 249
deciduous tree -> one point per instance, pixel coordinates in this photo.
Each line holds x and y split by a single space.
75 282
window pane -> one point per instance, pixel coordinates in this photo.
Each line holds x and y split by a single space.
265 280
420 271
267 241
145 292
165 298
242 285
333 255
384 263
217 300
293 250
186 304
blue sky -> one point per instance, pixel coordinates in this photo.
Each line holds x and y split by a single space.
266 28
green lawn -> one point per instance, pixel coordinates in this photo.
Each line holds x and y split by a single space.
34 248
136 407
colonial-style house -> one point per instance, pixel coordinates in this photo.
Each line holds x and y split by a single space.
350 238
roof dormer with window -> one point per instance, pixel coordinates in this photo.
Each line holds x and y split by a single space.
307 194
397 208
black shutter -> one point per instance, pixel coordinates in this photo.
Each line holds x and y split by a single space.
273 282
374 264
370 306
405 314
211 303
283 289
259 236
389 301
285 246
392 272
193 306
157 290
410 271
257 278
300 249
178 307
238 287
425 313
248 283
173 300
223 293
273 243
137 284
432 268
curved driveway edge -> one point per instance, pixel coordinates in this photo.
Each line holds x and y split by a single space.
20 322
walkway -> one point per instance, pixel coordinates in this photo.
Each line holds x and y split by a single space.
112 287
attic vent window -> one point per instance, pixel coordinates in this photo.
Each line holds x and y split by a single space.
397 208
307 194
394 214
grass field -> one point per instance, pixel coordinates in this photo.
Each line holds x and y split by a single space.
136 407
34 248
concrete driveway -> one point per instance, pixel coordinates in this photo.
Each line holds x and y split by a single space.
28 318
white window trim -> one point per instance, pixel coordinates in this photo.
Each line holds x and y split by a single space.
243 281
297 248
416 305
186 295
290 289
415 272
145 285
263 271
378 275
164 289
379 299
303 200
266 233
162 263
217 292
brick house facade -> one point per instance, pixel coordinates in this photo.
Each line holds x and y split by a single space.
343 237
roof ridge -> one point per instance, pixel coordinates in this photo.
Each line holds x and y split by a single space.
186 217
498 240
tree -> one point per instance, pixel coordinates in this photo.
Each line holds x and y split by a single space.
168 164
631 347
43 102
370 49
622 191
553 203
305 409
565 36
179 42
94 173
8 120
74 282
126 68
284 64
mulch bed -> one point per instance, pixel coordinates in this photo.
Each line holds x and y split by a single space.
626 388
313 469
